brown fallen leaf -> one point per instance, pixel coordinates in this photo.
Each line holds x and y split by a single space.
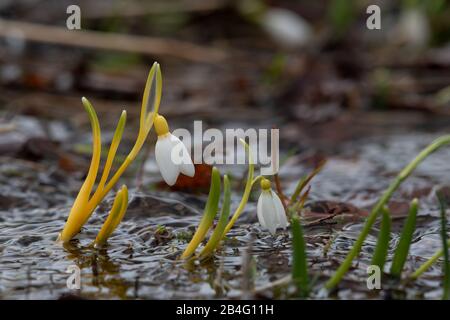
198 183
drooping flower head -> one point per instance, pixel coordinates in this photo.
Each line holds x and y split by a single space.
270 210
172 156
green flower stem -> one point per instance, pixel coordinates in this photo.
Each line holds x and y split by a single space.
342 270
247 190
426 265
208 216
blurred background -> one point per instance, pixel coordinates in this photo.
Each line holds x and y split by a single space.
312 69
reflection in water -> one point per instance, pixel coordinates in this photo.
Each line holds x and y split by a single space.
99 270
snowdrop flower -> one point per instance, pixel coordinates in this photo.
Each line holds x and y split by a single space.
172 157
270 210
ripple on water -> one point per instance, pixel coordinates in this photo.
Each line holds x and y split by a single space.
136 265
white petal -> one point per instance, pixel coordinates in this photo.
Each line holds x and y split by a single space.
181 157
259 212
163 155
268 211
280 212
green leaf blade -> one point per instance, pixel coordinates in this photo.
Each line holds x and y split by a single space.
401 253
222 223
382 247
299 261
210 212
446 266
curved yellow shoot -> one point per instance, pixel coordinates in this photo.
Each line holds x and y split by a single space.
113 149
84 206
78 213
115 216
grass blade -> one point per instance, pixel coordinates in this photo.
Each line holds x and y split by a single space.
401 253
220 227
208 216
299 259
382 247
446 267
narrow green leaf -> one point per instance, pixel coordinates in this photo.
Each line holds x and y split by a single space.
208 216
401 253
221 224
301 202
446 266
299 259
382 247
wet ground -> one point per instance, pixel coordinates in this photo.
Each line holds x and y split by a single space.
140 260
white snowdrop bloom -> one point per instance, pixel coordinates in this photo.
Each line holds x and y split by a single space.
413 28
270 210
171 154
287 28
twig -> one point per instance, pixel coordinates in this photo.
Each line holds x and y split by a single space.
320 220
276 178
280 282
303 182
144 8
110 41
